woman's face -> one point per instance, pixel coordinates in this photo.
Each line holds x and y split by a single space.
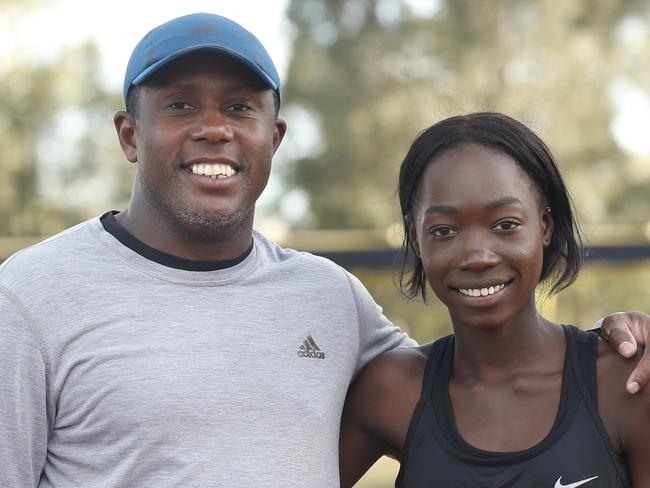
480 228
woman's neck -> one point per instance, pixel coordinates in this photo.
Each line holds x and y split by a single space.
526 342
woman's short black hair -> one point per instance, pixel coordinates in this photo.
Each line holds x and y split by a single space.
562 257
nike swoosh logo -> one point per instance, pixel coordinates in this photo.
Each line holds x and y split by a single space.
558 483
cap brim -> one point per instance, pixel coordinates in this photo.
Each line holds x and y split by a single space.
145 74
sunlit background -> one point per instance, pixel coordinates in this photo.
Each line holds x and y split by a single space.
361 79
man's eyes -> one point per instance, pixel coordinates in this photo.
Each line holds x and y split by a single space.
181 106
239 107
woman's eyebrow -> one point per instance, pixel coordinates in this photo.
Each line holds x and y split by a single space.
494 204
443 209
502 202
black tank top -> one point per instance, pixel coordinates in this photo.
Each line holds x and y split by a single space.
576 452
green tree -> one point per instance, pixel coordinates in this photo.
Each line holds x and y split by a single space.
373 73
59 162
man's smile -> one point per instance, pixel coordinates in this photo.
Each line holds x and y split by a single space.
214 171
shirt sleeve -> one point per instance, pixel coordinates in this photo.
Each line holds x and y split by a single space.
376 333
23 399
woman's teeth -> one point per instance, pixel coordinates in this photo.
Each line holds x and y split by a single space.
481 292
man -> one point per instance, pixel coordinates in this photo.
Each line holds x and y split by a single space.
169 344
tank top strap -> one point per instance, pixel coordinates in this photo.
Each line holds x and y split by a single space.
581 349
436 355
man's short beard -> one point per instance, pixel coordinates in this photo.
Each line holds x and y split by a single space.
195 223
202 226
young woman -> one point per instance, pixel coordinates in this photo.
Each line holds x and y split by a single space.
510 399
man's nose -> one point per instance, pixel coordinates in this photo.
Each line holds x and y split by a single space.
213 126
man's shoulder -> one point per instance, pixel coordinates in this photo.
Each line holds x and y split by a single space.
303 260
49 255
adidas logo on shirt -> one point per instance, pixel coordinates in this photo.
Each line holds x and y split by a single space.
309 349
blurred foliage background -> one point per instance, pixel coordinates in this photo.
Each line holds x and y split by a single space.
364 78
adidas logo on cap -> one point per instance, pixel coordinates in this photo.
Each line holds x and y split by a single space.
309 349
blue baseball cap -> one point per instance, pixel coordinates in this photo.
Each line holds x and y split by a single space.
201 31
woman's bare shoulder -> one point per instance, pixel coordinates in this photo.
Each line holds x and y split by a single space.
396 368
626 416
393 379
383 397
614 369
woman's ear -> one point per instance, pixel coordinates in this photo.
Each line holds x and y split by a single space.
413 235
548 226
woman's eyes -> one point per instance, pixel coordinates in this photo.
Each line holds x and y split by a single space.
507 225
443 231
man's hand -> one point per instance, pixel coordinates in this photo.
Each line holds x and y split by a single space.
623 330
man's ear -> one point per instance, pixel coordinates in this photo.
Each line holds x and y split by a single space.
278 133
125 127
413 235
548 225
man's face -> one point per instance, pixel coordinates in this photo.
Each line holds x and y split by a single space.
205 134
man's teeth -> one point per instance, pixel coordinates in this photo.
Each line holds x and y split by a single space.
213 170
481 292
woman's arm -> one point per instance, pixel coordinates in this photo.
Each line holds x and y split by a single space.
358 447
378 410
626 417
636 443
